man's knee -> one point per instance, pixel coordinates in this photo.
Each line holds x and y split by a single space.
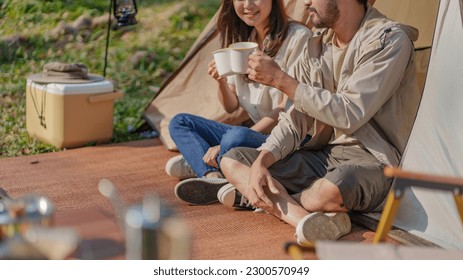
322 196
228 165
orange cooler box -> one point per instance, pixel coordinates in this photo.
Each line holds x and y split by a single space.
70 115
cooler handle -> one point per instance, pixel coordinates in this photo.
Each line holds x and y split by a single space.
105 97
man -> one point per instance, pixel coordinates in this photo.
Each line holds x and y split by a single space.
356 86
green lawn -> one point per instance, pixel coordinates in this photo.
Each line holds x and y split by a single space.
140 57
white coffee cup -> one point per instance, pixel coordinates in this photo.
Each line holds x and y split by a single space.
222 62
239 56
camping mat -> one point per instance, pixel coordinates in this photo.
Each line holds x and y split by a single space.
70 178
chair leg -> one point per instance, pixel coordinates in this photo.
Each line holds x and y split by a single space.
387 217
295 250
459 202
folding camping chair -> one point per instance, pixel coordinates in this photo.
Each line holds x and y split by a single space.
405 180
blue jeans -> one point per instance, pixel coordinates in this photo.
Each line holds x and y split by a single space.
194 135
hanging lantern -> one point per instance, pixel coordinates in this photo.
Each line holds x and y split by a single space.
125 12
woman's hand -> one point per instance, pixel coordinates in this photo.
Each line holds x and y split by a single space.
210 158
212 71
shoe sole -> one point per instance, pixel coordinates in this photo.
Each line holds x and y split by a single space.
323 226
226 195
199 191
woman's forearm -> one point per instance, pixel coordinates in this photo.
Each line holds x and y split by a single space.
227 96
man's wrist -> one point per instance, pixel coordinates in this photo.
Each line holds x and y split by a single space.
265 159
285 83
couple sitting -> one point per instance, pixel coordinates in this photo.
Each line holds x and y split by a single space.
348 84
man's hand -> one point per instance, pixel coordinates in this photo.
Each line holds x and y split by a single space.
210 158
260 179
263 69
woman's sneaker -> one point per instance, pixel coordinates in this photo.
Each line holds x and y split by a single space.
229 196
178 167
322 226
199 191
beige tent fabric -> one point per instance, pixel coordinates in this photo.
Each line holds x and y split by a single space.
420 14
191 90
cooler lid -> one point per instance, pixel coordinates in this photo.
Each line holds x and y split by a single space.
62 89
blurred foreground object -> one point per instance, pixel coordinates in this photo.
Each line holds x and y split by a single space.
152 229
26 232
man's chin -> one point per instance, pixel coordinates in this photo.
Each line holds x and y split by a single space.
313 19
318 26
316 23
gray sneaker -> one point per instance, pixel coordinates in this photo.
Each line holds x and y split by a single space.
178 167
199 191
322 226
229 196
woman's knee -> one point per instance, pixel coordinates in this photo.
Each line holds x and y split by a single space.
179 120
234 137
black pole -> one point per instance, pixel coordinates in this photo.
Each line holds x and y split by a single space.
107 38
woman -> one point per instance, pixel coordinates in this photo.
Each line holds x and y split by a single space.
202 142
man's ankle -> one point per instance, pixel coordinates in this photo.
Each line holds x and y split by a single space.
214 174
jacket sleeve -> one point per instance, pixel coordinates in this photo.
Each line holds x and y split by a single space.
286 137
292 125
375 77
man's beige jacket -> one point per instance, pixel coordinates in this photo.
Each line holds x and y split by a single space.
375 101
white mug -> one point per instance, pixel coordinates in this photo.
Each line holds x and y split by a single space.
222 62
239 56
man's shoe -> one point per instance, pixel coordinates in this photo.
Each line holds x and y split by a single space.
199 191
322 226
178 167
229 196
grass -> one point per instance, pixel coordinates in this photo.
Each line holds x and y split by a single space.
140 57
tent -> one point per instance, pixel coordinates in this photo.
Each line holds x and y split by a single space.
434 145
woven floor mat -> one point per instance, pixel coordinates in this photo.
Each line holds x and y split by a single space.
70 178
